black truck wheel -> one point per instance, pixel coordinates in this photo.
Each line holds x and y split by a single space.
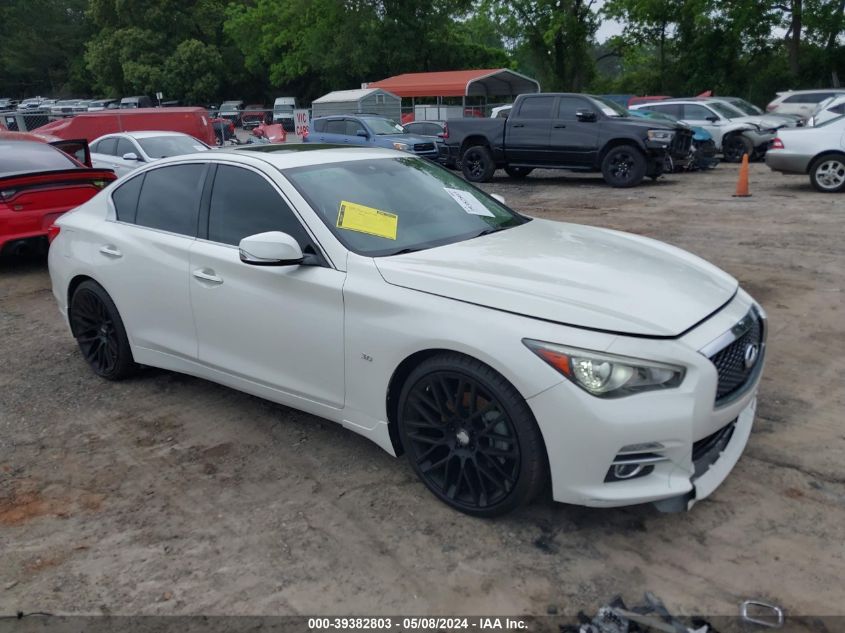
477 164
518 173
734 146
624 166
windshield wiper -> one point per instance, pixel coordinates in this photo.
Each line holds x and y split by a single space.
403 251
488 230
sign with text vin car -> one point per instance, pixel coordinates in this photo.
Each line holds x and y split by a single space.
302 123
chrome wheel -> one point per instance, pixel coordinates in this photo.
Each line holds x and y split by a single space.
830 174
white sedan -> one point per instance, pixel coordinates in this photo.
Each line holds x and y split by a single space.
378 290
818 151
126 151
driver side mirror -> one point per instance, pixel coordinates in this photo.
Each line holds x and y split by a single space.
586 116
713 118
362 133
273 248
132 156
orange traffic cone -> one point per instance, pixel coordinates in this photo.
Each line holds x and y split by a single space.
742 182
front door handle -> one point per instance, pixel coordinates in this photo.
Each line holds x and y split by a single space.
110 251
559 125
208 275
518 125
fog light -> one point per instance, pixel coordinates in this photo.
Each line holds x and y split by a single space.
627 471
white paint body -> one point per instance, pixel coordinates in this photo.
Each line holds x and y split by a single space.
123 166
327 340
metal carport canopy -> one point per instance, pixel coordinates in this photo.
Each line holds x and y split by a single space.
459 83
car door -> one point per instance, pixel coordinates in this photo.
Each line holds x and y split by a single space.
279 326
143 254
102 153
701 116
574 142
334 131
352 127
528 130
123 166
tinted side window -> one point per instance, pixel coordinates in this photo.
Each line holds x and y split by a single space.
320 125
106 146
696 112
170 199
568 106
536 108
336 126
672 109
811 97
125 199
839 109
244 203
124 146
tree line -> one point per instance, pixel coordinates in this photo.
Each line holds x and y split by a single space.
204 51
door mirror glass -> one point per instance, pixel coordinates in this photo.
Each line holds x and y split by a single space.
498 198
131 156
587 116
273 248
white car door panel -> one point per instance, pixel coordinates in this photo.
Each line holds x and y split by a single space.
280 326
145 255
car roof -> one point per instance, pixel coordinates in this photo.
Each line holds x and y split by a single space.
289 155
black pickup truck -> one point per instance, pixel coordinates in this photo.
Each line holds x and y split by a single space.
567 131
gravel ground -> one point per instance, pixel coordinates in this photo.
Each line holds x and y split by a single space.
167 494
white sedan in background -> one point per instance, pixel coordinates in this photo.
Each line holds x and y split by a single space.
126 151
499 352
818 151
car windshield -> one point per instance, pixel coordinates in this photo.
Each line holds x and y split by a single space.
164 146
745 107
384 126
283 108
388 206
610 108
726 110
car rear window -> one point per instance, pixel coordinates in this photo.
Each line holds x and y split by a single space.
170 199
808 97
31 156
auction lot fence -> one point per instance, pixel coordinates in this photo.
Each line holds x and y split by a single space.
25 121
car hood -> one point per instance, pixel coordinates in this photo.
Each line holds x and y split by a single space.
766 122
571 274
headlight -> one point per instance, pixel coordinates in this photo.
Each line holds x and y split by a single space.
663 136
607 375
401 146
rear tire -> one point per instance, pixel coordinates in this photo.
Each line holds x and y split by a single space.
518 173
624 166
827 173
470 437
98 329
477 164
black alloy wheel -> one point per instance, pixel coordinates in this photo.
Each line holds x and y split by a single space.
734 146
470 437
477 164
99 331
624 166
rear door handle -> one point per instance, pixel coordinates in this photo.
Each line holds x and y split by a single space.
559 125
518 125
110 251
206 274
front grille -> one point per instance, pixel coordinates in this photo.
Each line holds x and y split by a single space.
681 142
424 147
707 450
733 361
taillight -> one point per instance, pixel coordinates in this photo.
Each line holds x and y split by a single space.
770 107
53 232
776 144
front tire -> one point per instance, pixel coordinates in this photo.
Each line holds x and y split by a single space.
470 437
518 173
827 174
477 164
624 166
98 329
734 146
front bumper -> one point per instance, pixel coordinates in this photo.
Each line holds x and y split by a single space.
787 162
585 435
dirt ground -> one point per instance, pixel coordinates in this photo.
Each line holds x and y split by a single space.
167 494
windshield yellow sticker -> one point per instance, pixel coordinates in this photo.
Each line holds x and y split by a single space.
357 217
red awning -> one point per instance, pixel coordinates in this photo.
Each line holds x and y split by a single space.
459 83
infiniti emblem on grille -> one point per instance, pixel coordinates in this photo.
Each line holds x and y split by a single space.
752 351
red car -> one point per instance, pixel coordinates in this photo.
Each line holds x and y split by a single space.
39 182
